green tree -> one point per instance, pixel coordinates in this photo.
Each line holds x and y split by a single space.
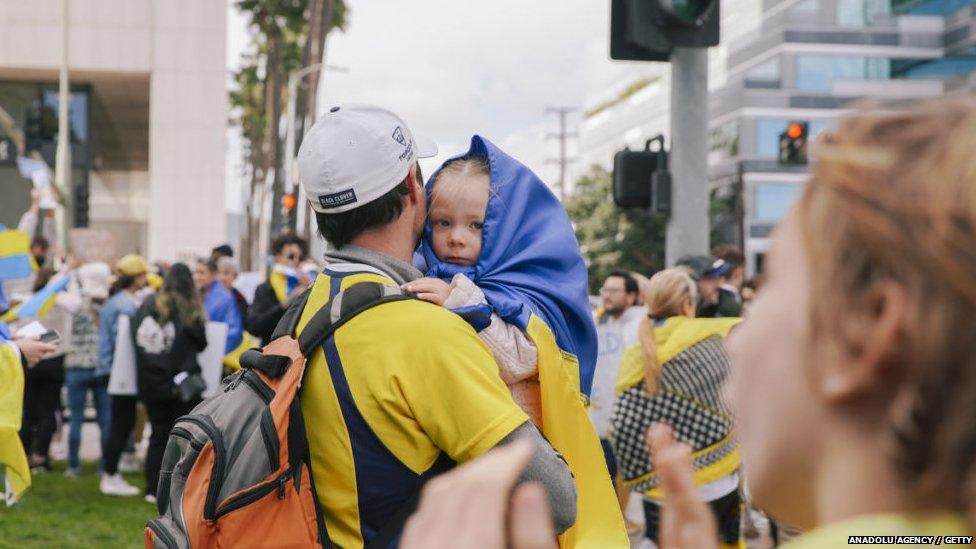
611 237
279 45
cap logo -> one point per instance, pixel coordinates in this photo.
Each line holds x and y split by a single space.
398 136
339 199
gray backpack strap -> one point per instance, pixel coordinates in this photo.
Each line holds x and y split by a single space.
339 310
343 307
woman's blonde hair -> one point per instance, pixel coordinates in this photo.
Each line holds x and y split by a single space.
669 291
892 199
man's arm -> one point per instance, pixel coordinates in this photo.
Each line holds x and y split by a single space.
548 468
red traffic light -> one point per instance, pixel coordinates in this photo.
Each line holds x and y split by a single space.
795 130
288 201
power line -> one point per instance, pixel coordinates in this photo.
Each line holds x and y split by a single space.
562 136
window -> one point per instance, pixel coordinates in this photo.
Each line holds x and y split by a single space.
819 72
806 7
768 71
77 112
773 200
930 7
861 13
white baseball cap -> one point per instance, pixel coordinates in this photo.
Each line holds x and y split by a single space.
355 154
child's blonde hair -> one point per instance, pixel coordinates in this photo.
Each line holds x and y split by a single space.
465 168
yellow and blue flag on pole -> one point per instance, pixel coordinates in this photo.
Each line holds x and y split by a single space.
40 303
15 257
13 461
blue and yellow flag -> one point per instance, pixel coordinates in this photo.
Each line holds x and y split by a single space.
283 281
16 260
40 303
13 460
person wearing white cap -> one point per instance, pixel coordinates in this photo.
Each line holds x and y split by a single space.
427 391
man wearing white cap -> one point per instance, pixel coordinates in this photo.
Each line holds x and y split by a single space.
406 387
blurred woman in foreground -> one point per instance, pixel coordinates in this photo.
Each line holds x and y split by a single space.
854 377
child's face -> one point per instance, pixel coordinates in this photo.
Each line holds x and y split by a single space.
457 217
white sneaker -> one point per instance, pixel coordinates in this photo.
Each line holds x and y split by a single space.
128 463
115 485
150 499
72 472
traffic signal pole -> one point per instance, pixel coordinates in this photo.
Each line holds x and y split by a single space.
688 227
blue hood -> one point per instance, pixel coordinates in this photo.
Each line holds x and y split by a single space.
530 260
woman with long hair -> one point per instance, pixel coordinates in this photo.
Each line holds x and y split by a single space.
169 332
675 375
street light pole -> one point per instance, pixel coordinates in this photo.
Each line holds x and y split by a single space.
62 163
289 164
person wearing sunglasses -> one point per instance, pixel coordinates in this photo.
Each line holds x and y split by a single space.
285 282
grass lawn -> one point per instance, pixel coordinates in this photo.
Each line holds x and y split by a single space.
64 512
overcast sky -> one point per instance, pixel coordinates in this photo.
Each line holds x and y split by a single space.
452 69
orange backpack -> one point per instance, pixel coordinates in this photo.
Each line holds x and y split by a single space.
236 471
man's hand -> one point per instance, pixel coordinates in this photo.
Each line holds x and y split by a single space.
471 506
433 290
33 350
686 522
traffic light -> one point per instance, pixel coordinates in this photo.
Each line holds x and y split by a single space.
79 204
288 202
647 30
33 129
793 143
641 178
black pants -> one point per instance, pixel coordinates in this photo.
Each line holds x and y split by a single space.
727 510
162 415
123 419
42 401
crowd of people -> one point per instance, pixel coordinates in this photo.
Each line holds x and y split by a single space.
149 381
476 400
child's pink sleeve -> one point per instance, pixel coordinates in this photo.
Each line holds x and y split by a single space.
515 354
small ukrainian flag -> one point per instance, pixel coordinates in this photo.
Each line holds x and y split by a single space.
15 257
40 303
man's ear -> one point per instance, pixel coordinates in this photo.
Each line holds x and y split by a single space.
414 189
870 343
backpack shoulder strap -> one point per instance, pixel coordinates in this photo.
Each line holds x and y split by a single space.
337 311
289 321
342 308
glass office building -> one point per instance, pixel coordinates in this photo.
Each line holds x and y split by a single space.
810 61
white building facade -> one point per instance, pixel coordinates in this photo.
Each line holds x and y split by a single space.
148 113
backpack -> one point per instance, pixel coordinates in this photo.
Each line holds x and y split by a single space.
236 471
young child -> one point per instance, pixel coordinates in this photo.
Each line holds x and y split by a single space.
500 251
499 247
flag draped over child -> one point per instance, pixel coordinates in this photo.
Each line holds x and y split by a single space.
530 261
533 276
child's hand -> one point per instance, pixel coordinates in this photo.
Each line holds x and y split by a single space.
433 290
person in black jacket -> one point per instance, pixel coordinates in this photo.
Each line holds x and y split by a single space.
285 282
169 332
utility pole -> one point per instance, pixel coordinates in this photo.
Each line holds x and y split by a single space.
688 227
62 163
562 136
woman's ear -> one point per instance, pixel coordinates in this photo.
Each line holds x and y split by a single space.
868 343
